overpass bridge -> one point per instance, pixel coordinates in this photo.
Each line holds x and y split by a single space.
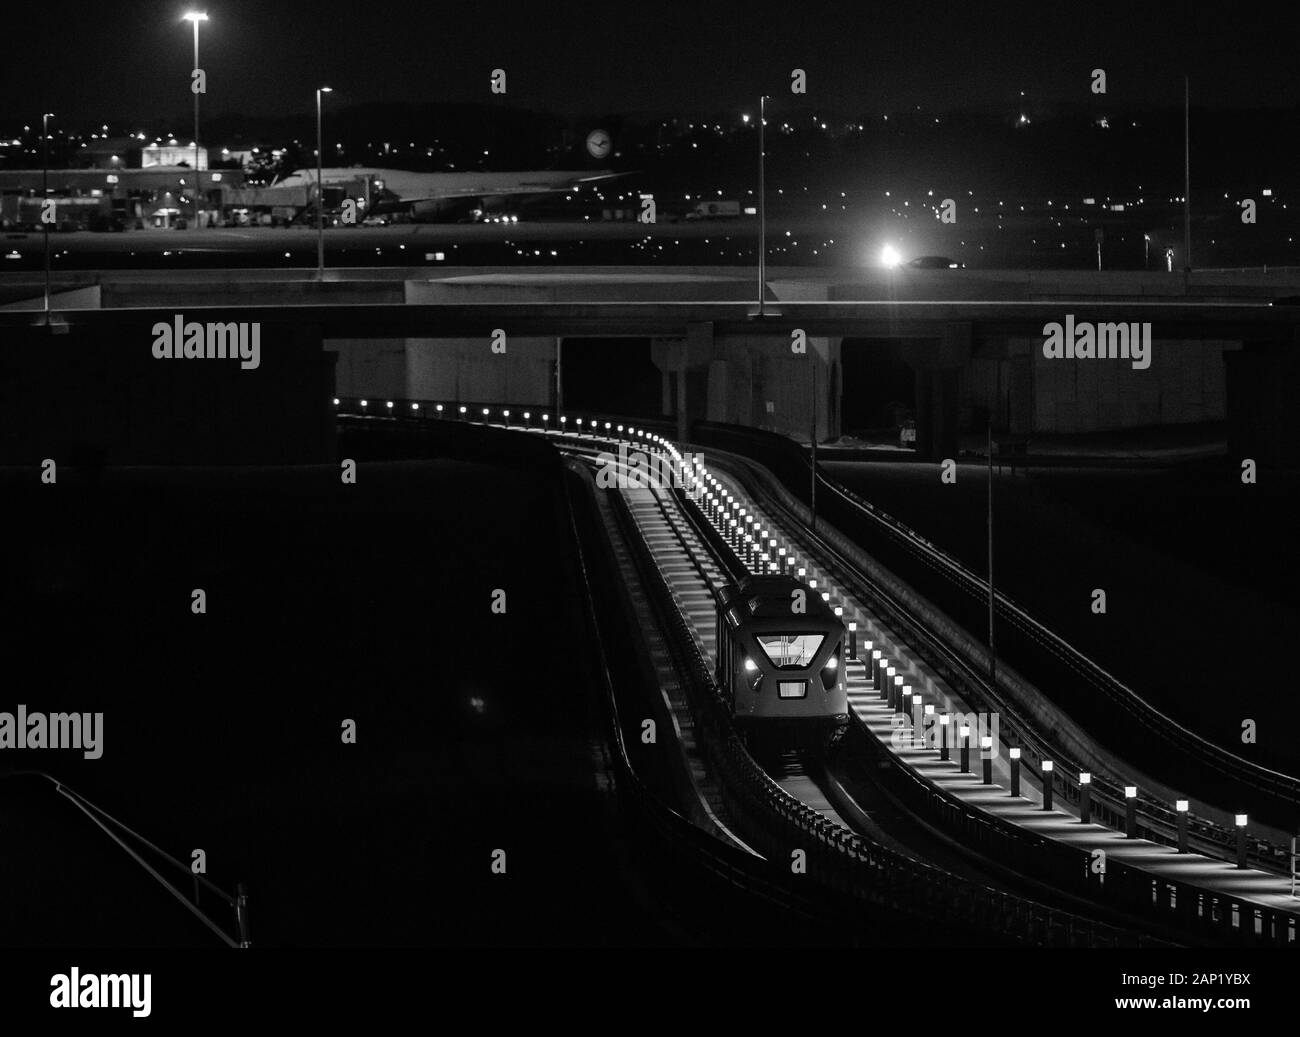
830 350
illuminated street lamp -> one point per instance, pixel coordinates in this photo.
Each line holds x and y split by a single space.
195 17
320 187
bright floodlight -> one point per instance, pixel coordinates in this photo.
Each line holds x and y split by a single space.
195 16
889 256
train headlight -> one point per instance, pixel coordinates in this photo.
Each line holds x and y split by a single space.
750 666
830 672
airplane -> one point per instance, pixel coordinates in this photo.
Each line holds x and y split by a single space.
433 195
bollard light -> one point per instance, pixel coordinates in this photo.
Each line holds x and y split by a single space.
1015 770
986 752
1241 840
363 403
1048 767
390 405
964 731
1085 797
438 408
1130 811
1181 807
336 401
853 640
944 720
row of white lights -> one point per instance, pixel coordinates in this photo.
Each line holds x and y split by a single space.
726 515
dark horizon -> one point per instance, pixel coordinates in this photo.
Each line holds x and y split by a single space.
592 58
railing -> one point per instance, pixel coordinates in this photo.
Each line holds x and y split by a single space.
111 826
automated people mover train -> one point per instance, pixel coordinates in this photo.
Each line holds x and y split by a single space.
781 663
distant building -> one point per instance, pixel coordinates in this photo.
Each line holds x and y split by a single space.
172 154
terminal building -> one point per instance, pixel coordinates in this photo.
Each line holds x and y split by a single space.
122 183
153 198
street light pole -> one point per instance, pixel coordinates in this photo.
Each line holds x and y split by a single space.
45 196
196 17
762 203
320 188
1187 179
993 658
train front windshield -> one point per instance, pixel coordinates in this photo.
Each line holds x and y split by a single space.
791 651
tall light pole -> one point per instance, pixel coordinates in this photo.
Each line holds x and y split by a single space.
196 17
993 656
320 187
45 196
1187 179
762 188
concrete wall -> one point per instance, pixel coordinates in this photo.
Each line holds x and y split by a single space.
1186 383
756 380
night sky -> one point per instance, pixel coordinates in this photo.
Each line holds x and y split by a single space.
116 60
